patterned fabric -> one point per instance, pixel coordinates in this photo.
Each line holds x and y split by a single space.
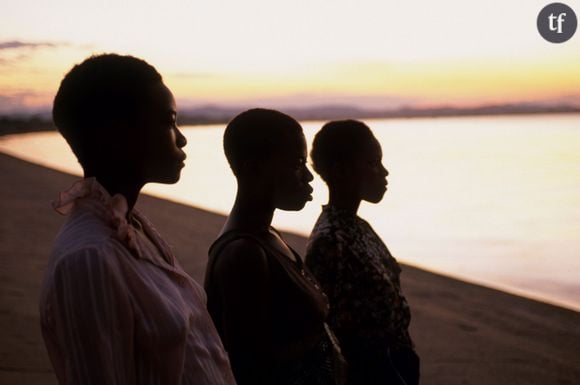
323 365
116 307
361 279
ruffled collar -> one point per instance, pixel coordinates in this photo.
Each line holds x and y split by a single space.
115 207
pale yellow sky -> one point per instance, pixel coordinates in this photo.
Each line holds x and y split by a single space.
378 54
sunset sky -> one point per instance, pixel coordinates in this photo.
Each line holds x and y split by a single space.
374 54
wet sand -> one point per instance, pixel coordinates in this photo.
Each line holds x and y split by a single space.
465 334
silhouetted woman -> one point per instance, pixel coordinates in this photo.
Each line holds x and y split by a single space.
116 308
268 309
369 313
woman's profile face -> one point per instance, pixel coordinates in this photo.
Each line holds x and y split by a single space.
290 177
368 172
157 140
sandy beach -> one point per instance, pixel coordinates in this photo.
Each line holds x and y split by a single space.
465 334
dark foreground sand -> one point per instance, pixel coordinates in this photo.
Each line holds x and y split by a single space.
465 334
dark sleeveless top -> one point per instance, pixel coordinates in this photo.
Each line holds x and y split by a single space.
296 346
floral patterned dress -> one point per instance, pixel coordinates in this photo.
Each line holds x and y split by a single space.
369 312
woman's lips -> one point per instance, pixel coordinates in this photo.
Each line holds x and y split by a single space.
181 159
309 191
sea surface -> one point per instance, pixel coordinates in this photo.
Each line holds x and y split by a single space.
490 200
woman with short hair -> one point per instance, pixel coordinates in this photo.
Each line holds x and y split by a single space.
269 310
116 307
369 312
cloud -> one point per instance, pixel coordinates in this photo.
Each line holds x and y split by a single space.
17 44
26 101
317 100
13 52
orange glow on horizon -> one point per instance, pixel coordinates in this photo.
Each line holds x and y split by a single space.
230 54
443 83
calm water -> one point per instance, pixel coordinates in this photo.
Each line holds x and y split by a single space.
492 200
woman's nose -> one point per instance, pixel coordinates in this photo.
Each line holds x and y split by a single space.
308 174
385 171
181 140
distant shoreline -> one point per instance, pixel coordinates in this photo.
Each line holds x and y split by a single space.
20 124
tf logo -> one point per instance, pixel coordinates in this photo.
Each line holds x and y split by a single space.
557 22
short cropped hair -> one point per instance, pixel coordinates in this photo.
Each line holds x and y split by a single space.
338 142
256 135
95 95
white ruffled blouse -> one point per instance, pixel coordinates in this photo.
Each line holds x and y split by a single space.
116 307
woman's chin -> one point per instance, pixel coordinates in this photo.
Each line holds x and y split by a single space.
376 198
170 178
294 206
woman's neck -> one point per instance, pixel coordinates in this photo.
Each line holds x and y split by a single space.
344 200
250 212
115 184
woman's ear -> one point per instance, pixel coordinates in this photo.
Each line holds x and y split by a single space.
252 167
339 170
343 174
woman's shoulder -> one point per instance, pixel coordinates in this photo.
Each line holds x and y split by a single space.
336 238
327 244
105 251
90 267
330 229
246 249
237 252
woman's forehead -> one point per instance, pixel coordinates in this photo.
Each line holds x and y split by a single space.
160 97
371 146
292 146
